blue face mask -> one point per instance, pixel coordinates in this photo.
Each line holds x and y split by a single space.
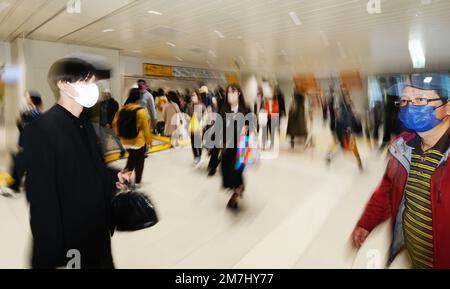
419 118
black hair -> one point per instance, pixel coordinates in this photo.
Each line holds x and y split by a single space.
141 80
35 98
172 96
242 105
69 70
219 93
133 96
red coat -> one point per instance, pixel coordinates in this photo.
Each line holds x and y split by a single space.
386 200
275 107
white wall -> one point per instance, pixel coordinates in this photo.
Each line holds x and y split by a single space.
4 52
5 56
40 55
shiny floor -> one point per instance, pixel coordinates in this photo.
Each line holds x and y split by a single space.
297 213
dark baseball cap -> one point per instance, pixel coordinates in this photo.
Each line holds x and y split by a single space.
440 82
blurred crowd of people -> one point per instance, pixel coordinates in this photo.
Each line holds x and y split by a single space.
65 171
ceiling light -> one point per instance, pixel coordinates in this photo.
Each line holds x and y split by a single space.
179 58
324 38
219 33
341 50
428 79
155 12
295 18
213 54
108 30
4 5
171 44
417 54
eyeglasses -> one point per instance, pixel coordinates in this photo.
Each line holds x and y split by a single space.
420 101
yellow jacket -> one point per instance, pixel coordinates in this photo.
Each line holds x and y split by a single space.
145 135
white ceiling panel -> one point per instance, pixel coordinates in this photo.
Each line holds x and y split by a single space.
259 34
65 23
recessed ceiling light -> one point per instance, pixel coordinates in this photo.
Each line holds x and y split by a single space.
155 12
324 38
4 5
417 53
108 30
295 18
213 54
341 50
171 44
219 33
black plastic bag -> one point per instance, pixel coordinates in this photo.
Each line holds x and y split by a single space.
133 211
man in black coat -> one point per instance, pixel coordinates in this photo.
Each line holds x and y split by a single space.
108 109
68 186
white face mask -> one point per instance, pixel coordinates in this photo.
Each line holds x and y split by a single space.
233 98
88 94
267 91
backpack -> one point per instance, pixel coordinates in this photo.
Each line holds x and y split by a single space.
127 123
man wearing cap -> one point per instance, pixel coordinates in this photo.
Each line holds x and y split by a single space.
415 189
206 95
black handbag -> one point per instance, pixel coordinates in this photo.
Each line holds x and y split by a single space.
133 211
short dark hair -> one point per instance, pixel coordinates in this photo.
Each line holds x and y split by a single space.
141 80
161 92
35 98
133 96
69 70
172 96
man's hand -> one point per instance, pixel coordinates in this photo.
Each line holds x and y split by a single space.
359 236
124 176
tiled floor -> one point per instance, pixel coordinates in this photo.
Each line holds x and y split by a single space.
297 213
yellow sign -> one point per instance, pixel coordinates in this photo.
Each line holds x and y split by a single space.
158 70
232 78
